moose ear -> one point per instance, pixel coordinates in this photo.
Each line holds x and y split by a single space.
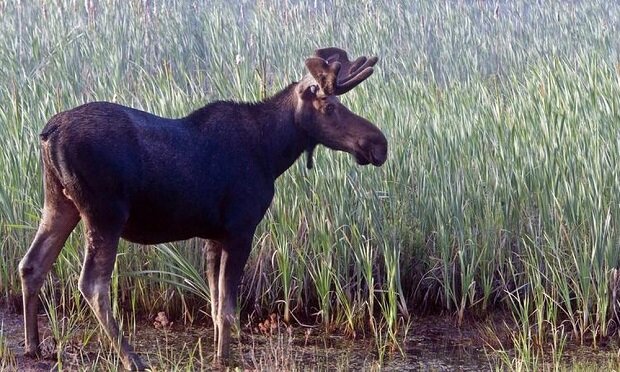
317 68
324 73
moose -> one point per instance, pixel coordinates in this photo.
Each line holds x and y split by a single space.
147 179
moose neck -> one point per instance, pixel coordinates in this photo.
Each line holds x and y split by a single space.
283 140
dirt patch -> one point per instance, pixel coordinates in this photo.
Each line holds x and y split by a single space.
12 344
433 343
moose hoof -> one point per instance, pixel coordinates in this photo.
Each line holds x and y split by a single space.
134 363
33 353
221 363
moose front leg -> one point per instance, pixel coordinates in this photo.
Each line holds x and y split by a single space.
234 254
213 252
101 248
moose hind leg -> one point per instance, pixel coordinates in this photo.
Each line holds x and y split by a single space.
55 227
95 287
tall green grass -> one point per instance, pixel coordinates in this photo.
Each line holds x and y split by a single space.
501 188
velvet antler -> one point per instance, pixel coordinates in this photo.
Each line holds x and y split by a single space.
333 71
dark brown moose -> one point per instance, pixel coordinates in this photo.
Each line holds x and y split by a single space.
147 179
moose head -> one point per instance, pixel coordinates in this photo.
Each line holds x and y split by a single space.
326 120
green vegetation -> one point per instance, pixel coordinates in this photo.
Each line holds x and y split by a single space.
501 192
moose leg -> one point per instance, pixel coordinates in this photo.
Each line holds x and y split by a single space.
213 255
56 225
233 258
94 284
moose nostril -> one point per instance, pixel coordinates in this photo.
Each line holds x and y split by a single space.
379 153
382 150
381 140
375 148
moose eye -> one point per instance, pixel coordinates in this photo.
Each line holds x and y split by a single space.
329 109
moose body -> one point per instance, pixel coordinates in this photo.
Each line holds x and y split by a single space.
174 179
127 173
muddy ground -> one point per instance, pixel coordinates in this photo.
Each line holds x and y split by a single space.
434 343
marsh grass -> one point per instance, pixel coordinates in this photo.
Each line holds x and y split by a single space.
7 357
501 190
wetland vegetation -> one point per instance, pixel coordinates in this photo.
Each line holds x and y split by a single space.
498 207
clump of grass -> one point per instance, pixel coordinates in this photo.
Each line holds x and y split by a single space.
7 358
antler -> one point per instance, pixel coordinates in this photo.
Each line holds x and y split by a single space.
334 72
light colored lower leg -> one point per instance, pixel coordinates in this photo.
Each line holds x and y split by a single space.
213 253
33 268
99 301
95 287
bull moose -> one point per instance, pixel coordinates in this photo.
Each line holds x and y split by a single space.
133 175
